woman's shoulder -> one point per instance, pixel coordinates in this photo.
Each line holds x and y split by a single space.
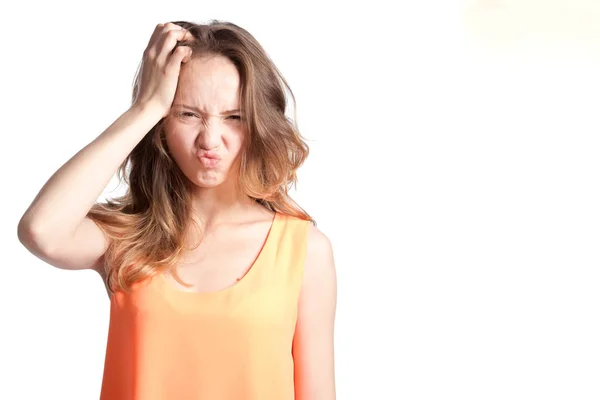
314 236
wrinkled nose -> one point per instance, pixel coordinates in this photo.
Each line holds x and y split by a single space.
209 135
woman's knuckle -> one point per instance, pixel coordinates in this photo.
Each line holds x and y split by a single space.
173 33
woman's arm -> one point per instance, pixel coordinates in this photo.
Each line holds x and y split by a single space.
313 348
55 227
55 222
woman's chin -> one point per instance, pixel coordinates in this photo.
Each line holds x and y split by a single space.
209 179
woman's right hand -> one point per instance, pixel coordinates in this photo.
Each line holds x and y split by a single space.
160 69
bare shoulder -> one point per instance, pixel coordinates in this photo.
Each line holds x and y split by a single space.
319 249
318 245
313 345
319 267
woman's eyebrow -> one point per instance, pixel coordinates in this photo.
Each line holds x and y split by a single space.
202 112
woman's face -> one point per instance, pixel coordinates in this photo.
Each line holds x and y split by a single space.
205 119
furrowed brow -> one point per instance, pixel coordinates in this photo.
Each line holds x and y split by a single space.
202 112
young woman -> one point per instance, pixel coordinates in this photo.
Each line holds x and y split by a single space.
220 286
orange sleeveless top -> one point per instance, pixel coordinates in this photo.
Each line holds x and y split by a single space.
167 344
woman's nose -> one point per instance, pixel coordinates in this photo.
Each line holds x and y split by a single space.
209 134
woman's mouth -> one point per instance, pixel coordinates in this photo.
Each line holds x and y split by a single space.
209 160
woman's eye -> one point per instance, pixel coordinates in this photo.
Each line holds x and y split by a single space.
188 114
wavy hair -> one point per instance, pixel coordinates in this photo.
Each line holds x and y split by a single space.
147 226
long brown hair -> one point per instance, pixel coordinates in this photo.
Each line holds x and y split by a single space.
148 225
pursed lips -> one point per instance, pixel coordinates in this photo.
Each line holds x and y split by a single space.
212 156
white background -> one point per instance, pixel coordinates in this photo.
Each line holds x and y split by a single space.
454 166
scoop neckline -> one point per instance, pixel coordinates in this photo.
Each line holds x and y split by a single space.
240 283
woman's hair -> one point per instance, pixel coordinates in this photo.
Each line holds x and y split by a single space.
147 226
